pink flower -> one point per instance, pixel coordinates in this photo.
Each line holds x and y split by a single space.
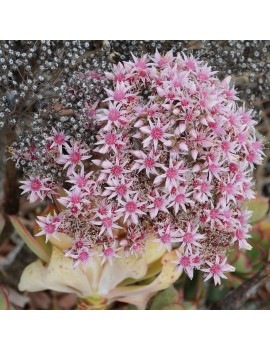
216 269
172 175
36 186
109 252
107 222
214 216
203 190
110 141
82 256
159 203
189 238
75 200
147 162
76 154
162 61
120 94
131 209
180 198
157 133
185 262
118 188
59 139
114 116
240 236
49 226
167 237
214 169
80 180
115 169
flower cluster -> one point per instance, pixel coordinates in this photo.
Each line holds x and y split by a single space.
172 162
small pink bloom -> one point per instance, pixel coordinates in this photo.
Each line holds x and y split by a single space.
216 270
76 154
49 226
58 139
36 186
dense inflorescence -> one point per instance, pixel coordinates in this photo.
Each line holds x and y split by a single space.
246 60
170 159
32 72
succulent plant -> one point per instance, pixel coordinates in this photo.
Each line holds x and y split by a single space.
130 279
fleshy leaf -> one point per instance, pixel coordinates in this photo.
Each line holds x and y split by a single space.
173 306
139 295
58 275
41 250
166 297
4 301
259 207
153 252
121 269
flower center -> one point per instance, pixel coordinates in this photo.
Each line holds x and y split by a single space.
110 139
185 261
149 162
172 173
83 256
116 170
119 95
157 133
108 252
213 168
81 182
121 189
75 157
215 269
213 213
79 244
225 146
35 185
107 222
230 188
180 198
75 199
188 238
165 238
204 186
158 202
131 207
113 115
59 139
50 228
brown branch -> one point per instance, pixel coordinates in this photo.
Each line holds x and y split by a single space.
237 298
11 189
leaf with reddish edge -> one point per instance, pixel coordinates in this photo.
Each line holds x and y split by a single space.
173 306
4 301
42 251
259 207
242 263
